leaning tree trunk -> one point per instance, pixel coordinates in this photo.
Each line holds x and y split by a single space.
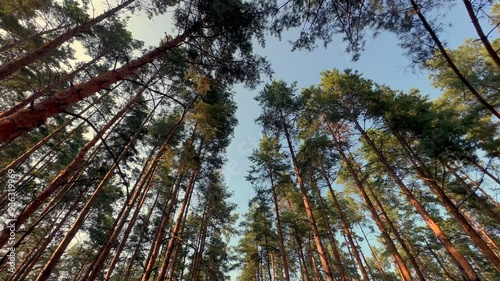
55 257
388 241
426 176
25 60
312 220
26 119
48 89
172 242
280 230
135 253
63 176
450 62
331 236
483 37
464 265
46 139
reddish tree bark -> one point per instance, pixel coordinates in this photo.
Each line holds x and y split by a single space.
26 119
20 62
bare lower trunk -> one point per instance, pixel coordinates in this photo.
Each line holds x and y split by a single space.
465 267
312 220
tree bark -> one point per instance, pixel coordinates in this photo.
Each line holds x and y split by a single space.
465 267
24 120
63 176
484 39
279 226
312 220
20 62
450 62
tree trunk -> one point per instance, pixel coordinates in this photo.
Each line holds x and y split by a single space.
48 89
18 43
493 54
25 60
279 226
374 256
28 268
127 231
142 183
25 120
136 250
63 176
491 213
312 220
174 235
443 267
409 254
302 260
54 259
465 267
14 164
347 231
426 176
388 241
450 62
336 253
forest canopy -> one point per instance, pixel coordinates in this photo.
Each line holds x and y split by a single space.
112 151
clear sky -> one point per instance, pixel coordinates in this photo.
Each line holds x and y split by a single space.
383 62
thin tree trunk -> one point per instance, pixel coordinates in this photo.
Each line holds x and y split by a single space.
450 62
197 256
54 259
374 256
409 254
336 253
388 241
312 220
174 235
18 63
467 270
127 231
279 226
493 54
486 172
46 139
22 41
141 183
436 257
346 229
136 250
426 176
302 260
49 239
489 200
63 176
364 260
